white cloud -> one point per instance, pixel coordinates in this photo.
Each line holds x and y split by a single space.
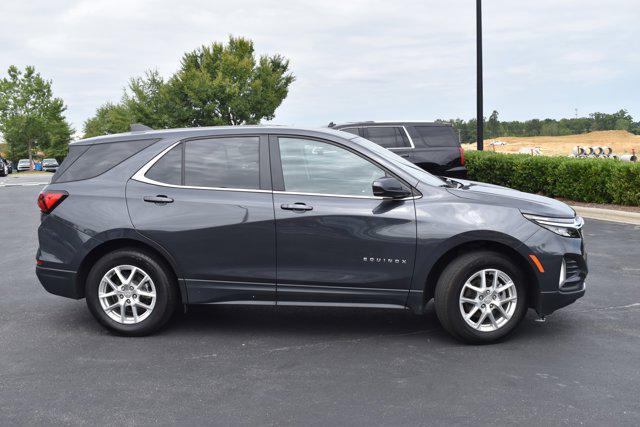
353 59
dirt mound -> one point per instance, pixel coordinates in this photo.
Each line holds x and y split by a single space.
619 140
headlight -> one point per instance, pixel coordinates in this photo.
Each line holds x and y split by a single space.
567 227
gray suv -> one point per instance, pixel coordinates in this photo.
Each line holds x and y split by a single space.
142 222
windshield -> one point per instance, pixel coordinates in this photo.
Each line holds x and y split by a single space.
416 171
49 161
23 161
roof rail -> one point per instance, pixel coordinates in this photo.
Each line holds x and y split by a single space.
139 127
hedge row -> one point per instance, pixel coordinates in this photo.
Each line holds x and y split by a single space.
586 180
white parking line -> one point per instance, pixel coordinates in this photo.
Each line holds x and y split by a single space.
21 184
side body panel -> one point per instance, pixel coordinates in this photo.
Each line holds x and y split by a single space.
345 250
223 241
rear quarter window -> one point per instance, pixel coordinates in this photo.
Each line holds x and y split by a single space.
437 136
89 161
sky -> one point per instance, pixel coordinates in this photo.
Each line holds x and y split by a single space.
353 59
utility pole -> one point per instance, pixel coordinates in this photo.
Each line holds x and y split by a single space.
480 114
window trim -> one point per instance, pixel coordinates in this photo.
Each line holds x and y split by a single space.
412 145
278 175
140 175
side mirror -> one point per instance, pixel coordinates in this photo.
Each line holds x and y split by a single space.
389 187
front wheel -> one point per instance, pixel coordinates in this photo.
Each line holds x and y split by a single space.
130 292
480 297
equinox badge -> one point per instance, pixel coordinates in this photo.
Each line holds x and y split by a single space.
384 260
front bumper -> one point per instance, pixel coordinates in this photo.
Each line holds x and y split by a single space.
565 270
548 302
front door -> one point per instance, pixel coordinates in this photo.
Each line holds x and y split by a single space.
208 203
337 243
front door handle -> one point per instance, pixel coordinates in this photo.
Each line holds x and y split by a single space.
299 207
159 199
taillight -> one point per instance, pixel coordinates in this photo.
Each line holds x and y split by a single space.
48 200
461 156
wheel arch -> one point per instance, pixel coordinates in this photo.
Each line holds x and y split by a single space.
520 259
105 247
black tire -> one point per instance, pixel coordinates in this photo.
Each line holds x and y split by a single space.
165 286
449 287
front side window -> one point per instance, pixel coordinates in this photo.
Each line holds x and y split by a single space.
310 166
232 162
387 136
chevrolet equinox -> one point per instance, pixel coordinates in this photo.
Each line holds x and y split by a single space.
143 222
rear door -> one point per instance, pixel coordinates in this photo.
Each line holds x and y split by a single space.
336 242
208 202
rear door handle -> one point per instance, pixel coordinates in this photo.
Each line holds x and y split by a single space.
300 207
160 199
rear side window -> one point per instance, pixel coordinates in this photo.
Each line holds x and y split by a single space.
99 158
168 169
223 162
75 151
438 136
351 130
387 136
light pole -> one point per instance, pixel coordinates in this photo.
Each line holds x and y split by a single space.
479 115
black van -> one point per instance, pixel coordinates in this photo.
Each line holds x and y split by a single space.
435 147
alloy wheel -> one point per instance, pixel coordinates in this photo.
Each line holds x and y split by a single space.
488 300
127 294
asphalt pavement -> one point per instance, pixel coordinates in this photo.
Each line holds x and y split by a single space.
316 366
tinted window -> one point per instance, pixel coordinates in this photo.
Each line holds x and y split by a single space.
75 151
350 130
99 158
316 167
387 136
169 168
223 162
438 136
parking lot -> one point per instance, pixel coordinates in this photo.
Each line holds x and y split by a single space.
318 366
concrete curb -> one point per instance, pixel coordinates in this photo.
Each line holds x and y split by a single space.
608 215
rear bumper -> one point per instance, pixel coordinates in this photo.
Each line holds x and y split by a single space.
58 282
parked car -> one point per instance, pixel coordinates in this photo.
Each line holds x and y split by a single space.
435 147
23 165
139 223
50 165
5 167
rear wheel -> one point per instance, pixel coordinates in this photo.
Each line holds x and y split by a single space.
130 292
480 297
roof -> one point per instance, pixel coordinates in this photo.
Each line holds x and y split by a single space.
393 123
210 130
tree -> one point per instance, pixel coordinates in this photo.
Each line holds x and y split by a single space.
30 116
109 118
493 125
215 85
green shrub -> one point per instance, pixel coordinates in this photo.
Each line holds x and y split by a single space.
584 180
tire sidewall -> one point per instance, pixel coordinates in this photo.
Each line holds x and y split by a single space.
165 294
490 261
